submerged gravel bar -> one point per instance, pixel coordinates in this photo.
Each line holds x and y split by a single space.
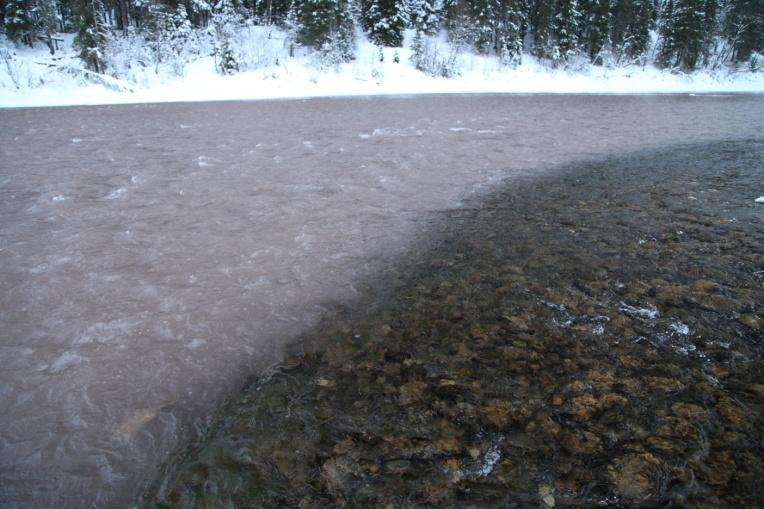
588 339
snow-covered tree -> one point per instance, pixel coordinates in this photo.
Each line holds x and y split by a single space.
682 34
512 19
596 27
744 28
343 42
542 28
88 17
29 20
630 25
484 24
424 15
19 21
318 20
169 35
566 27
383 21
225 24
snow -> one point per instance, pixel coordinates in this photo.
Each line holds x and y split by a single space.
679 328
32 77
646 312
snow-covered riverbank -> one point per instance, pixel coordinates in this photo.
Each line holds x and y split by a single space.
32 77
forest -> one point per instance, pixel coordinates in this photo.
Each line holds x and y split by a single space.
679 35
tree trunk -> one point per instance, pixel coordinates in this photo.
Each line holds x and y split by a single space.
124 21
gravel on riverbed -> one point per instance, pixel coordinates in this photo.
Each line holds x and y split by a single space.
588 339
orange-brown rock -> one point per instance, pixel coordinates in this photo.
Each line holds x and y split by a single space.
497 412
635 476
586 406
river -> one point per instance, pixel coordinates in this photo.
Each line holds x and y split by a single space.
152 257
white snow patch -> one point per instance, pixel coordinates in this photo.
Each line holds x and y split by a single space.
648 312
686 349
679 328
489 461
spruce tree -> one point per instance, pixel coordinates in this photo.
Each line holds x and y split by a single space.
19 21
483 14
28 20
597 28
344 40
91 32
566 26
683 34
744 27
47 21
383 21
511 31
638 31
424 16
318 20
225 22
542 24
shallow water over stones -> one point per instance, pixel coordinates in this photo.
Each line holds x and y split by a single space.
589 339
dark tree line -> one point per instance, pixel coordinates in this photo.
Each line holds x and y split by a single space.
691 33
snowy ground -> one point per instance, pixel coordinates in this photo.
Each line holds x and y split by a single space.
35 78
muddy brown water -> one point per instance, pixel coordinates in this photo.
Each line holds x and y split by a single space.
154 256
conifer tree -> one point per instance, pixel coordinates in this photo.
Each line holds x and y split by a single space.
683 35
744 27
88 18
484 20
225 22
383 21
566 26
19 21
630 24
542 25
318 20
47 21
424 16
596 28
511 31
28 20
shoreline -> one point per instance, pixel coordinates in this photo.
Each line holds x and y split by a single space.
239 88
